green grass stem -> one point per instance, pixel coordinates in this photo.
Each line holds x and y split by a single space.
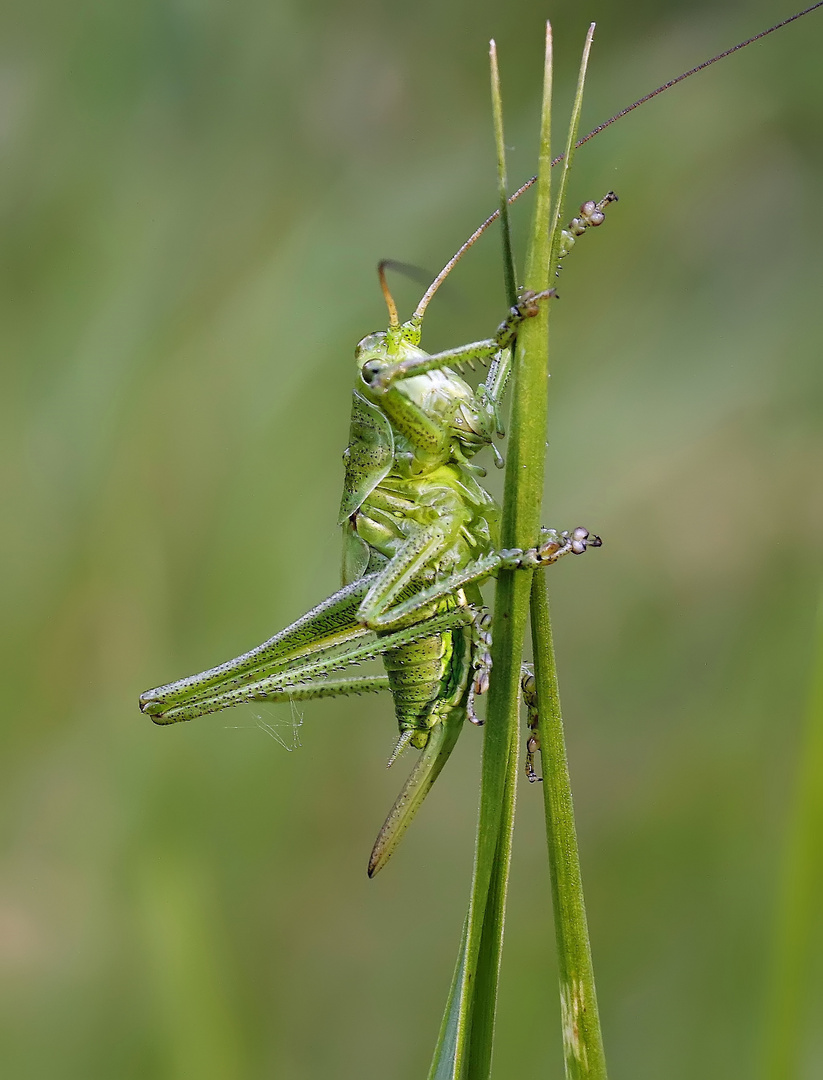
582 1038
788 1020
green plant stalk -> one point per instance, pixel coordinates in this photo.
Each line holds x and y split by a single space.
788 1018
463 1050
582 1038
583 1051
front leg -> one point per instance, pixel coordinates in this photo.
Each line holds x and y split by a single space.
380 376
553 546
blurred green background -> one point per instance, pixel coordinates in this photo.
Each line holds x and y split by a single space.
194 198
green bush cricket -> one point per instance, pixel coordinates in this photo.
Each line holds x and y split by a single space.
419 538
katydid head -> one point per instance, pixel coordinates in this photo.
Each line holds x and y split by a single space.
375 351
467 418
399 341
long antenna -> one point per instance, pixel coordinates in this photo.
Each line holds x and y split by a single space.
475 236
692 71
387 296
458 255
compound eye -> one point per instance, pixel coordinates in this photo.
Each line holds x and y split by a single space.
370 371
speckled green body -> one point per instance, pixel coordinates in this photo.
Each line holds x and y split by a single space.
409 486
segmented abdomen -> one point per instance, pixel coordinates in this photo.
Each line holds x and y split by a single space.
424 674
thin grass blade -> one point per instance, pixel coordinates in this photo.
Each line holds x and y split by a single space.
789 1022
453 1027
582 1038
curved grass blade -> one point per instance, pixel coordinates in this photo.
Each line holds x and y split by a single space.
427 768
